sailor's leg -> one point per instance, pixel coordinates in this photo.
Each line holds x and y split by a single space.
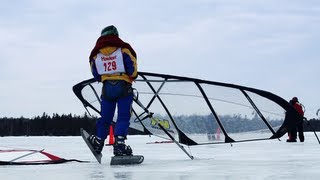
124 113
103 123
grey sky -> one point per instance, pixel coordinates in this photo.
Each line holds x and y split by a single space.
270 45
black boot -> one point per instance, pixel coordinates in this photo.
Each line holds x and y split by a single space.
96 143
301 137
291 140
120 148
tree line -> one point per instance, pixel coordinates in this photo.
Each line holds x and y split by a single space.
45 125
69 125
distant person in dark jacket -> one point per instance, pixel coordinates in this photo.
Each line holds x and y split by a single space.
299 128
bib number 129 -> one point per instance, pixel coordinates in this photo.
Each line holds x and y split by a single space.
109 66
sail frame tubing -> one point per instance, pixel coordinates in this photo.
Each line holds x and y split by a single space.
290 112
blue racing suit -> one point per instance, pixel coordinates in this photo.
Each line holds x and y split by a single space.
116 90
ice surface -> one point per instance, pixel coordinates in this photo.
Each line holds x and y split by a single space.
251 160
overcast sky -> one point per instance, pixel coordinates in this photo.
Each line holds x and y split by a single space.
271 45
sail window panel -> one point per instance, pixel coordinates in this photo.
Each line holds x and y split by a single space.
146 94
236 114
143 85
93 98
183 98
190 112
160 116
149 100
271 111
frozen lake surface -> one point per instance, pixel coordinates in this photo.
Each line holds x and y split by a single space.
251 160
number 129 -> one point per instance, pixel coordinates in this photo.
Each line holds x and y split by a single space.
110 66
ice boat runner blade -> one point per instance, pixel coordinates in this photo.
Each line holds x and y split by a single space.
126 160
85 136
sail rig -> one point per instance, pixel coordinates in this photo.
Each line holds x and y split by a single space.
198 112
30 157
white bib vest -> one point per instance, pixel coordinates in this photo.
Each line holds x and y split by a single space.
110 64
